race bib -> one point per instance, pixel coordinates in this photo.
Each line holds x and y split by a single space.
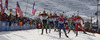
78 21
61 22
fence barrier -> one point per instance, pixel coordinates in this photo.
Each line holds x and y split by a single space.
4 26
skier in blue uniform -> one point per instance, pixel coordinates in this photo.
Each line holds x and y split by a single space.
55 21
61 25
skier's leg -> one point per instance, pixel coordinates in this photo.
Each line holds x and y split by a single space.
82 28
59 28
55 28
59 32
42 29
64 31
69 29
46 29
73 27
49 28
76 29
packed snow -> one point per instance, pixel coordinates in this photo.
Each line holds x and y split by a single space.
35 34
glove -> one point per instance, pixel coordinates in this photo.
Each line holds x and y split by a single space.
83 23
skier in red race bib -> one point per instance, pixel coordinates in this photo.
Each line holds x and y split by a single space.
61 25
55 21
72 23
66 23
51 23
78 22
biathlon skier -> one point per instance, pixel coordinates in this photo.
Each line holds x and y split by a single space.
61 25
78 22
55 21
67 22
44 18
51 23
72 23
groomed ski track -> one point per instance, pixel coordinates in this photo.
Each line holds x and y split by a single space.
35 34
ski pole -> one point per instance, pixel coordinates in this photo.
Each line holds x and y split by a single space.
38 31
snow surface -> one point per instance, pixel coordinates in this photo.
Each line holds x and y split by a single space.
35 34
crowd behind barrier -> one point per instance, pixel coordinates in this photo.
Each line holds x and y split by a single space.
14 26
13 22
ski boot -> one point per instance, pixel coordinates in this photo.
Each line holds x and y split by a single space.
49 31
66 35
46 31
68 31
76 33
42 32
54 30
59 35
84 32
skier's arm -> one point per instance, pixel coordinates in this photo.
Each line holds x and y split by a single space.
68 22
41 18
64 21
47 17
58 18
82 19
47 20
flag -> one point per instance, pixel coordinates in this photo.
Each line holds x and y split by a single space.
6 4
33 10
0 3
1 6
18 9
10 11
3 10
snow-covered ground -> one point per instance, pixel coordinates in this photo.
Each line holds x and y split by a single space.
35 34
